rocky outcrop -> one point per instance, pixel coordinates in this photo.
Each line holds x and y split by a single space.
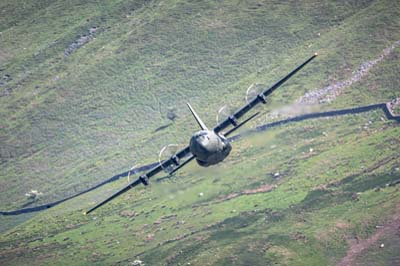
329 93
82 40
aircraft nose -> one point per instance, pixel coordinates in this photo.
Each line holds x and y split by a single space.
202 139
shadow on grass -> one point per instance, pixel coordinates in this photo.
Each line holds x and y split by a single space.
383 106
347 189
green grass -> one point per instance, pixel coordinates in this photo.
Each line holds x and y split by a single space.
279 222
120 85
68 122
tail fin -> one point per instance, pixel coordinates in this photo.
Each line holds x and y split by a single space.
201 124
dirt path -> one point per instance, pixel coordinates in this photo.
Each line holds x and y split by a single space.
356 248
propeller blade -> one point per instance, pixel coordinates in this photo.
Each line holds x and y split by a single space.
166 153
253 90
128 187
224 112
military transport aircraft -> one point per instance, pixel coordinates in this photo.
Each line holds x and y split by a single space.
207 146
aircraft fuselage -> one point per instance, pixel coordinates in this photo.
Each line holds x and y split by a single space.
209 148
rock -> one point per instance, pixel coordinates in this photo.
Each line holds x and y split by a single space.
149 237
33 194
137 263
330 92
171 115
92 30
80 41
354 197
128 213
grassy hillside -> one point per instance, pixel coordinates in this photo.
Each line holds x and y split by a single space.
85 84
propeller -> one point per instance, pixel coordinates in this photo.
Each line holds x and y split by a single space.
227 110
224 112
253 90
131 172
166 153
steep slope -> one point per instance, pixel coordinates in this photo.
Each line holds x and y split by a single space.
69 121
85 85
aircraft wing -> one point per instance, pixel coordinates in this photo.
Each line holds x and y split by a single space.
232 120
260 98
144 178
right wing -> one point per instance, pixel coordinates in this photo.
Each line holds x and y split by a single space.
144 178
